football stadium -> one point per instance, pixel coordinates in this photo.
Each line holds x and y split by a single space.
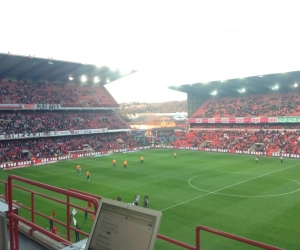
228 178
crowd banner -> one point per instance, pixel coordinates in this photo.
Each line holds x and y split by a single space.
289 119
53 133
11 106
48 106
22 136
29 106
59 133
247 120
89 131
15 164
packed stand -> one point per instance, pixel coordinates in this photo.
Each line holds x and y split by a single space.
268 141
287 104
26 122
15 150
67 95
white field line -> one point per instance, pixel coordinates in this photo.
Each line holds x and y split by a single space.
213 192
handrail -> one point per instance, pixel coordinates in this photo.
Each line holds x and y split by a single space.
98 197
233 237
176 242
14 218
4 196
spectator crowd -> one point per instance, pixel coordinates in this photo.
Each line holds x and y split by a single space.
14 150
265 141
286 104
66 95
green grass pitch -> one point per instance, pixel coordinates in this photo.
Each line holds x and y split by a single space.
231 193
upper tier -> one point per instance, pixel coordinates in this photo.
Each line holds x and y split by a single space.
273 104
66 95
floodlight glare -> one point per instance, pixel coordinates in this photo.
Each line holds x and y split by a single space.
295 85
214 92
242 90
71 78
275 87
96 79
83 78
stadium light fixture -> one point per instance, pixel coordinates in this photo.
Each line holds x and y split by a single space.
83 78
96 79
214 92
242 90
71 78
275 87
49 60
295 85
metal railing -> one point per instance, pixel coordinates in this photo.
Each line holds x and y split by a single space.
233 237
14 218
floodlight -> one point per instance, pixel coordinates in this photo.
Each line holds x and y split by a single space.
83 78
71 78
214 92
295 85
242 90
275 87
96 79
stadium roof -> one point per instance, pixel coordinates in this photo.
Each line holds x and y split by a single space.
35 69
280 82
